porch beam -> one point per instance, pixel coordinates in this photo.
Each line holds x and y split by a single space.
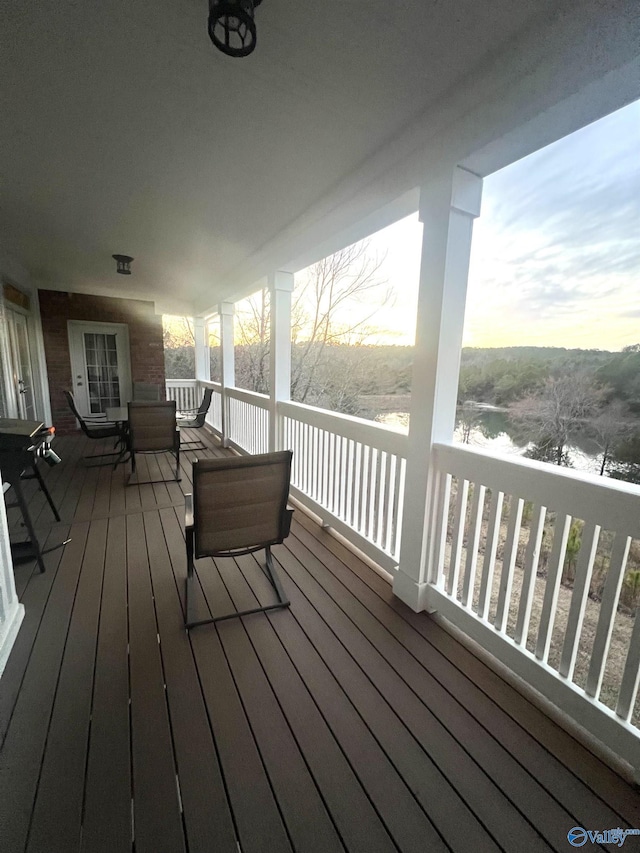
448 205
280 290
227 363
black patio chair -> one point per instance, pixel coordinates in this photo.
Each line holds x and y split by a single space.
152 429
194 419
238 506
97 427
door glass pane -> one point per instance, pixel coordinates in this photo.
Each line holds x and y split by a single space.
102 371
25 380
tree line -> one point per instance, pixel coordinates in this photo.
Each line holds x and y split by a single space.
337 364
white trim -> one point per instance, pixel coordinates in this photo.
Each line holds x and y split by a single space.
77 357
8 634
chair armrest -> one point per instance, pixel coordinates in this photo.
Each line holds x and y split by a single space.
188 511
181 412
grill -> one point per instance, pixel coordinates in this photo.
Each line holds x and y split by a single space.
22 445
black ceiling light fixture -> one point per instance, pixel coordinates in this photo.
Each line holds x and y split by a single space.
231 26
123 264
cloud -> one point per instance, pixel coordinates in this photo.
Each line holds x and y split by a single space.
557 249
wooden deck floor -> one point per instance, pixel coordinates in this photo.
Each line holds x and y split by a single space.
347 723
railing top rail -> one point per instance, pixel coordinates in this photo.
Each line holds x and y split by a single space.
181 383
368 432
251 397
612 504
209 383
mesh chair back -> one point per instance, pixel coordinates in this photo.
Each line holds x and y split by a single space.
240 503
152 426
196 421
72 404
206 401
146 391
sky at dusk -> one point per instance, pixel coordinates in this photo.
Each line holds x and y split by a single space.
556 251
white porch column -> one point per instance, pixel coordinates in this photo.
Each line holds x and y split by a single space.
11 611
227 363
201 335
448 206
280 290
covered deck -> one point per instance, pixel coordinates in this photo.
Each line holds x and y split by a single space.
347 722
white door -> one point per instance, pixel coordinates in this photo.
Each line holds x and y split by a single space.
100 365
21 370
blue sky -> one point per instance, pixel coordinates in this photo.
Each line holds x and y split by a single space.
556 252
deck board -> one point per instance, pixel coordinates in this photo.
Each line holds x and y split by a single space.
156 810
106 824
344 723
208 818
57 814
26 738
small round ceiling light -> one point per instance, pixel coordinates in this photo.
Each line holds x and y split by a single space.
123 264
231 26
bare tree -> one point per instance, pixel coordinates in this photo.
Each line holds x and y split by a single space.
179 347
252 328
562 405
178 332
332 306
341 283
610 427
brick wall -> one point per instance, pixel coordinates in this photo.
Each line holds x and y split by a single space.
145 341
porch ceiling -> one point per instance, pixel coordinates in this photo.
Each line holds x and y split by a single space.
124 130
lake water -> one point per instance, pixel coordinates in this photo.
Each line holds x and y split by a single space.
494 431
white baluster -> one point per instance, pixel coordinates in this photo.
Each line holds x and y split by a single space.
608 605
529 577
584 570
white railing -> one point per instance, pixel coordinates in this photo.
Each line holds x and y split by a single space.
350 472
533 562
184 392
248 420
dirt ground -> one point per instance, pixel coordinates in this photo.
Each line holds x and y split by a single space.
620 640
